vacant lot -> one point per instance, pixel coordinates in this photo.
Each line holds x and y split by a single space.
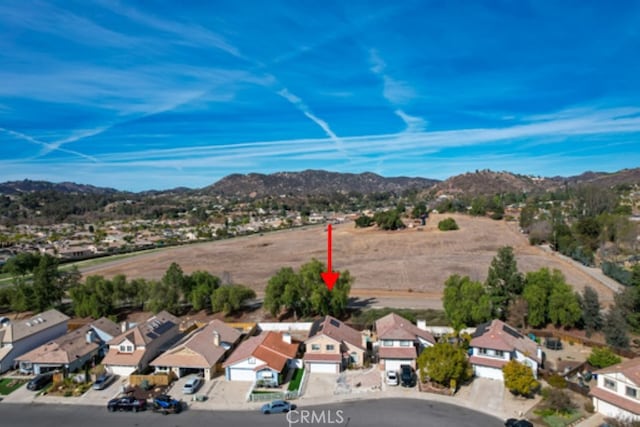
408 265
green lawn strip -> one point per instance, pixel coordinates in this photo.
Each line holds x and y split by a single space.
562 420
9 385
296 379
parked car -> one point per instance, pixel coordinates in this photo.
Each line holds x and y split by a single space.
103 381
407 376
166 404
192 385
277 406
127 403
392 378
553 344
40 381
512 422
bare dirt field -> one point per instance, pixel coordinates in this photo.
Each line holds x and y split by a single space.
405 268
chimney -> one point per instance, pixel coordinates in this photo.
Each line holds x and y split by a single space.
422 324
286 337
123 326
365 338
216 338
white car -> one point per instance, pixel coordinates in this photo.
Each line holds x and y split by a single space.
192 385
392 378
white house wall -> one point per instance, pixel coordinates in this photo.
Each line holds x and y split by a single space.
31 342
609 410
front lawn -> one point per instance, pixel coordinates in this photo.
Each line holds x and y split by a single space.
294 384
9 385
557 420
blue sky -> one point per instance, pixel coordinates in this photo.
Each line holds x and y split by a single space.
142 95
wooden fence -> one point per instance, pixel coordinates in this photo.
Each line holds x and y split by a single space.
156 379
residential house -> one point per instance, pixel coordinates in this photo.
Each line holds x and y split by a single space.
71 351
496 343
133 349
332 346
264 358
617 391
201 352
400 342
18 337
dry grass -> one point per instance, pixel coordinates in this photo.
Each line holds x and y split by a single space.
408 264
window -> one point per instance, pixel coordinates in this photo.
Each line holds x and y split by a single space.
483 351
499 353
252 361
315 347
354 357
387 343
330 347
405 343
124 348
631 392
609 384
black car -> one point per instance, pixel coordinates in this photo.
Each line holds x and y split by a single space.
512 422
553 344
127 403
407 376
39 382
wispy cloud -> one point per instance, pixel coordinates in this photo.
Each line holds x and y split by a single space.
300 105
47 147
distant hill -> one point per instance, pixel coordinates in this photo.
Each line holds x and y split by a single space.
488 182
313 182
28 186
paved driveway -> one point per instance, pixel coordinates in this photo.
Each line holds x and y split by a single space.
322 385
223 394
20 395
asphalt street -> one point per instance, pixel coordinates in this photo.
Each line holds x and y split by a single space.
381 412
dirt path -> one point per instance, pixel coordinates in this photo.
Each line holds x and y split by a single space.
407 267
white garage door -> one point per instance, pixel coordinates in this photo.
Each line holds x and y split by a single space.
394 364
488 372
122 371
323 368
236 374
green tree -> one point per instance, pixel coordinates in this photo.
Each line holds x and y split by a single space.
635 275
537 289
389 220
448 224
564 306
628 303
274 294
175 278
163 296
230 298
47 288
203 286
418 210
504 281
519 378
603 357
466 302
615 329
591 316
364 221
444 363
478 206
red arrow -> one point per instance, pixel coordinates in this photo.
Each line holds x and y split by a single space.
330 278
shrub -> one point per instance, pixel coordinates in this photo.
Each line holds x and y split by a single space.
602 357
448 224
559 401
519 379
557 381
588 406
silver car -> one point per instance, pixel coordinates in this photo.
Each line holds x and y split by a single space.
391 378
192 385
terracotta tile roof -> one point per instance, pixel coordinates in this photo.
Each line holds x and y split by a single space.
268 347
394 327
397 353
62 350
23 328
333 328
115 358
319 357
629 368
485 361
499 336
198 350
616 399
